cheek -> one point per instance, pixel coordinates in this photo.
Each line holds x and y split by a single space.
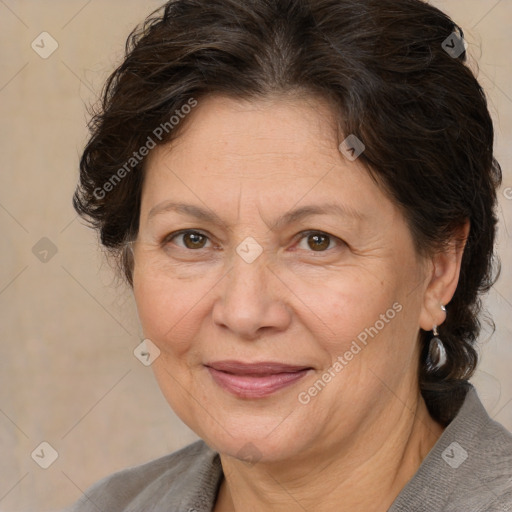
345 303
369 327
167 308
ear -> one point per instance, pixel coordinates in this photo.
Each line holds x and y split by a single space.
443 279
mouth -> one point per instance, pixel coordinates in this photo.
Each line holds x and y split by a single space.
255 380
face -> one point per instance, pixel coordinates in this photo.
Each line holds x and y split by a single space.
278 281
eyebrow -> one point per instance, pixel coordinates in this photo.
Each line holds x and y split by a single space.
287 218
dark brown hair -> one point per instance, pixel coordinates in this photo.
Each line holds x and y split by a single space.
386 67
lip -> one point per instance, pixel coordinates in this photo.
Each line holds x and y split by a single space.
255 380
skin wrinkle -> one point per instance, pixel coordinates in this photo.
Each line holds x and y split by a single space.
239 203
368 429
250 157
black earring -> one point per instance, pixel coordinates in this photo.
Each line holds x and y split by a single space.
436 357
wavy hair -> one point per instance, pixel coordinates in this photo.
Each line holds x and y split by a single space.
385 67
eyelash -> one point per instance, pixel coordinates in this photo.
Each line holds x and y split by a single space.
304 234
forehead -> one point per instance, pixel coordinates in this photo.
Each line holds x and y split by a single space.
274 152
231 129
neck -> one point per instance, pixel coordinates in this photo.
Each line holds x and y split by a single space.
365 473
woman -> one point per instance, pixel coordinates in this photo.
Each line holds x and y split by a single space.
301 194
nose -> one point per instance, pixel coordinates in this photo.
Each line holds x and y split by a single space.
252 300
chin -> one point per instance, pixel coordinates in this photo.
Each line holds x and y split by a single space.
256 441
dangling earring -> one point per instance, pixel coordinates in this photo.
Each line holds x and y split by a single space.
436 352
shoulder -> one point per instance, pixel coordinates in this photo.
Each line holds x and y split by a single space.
487 459
489 469
469 468
176 478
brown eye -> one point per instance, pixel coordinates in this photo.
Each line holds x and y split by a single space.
194 240
191 239
318 242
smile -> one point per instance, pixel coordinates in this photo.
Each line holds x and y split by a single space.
255 380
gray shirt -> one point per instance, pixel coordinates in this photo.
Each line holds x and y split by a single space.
469 469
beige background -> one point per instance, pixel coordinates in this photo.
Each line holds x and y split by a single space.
67 372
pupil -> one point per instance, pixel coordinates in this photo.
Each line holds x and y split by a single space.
320 245
194 238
